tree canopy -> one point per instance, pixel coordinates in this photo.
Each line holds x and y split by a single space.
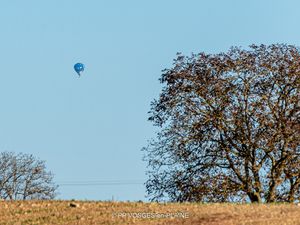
24 177
229 127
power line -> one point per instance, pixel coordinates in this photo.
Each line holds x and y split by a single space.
101 182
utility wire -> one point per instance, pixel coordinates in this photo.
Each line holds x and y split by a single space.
101 182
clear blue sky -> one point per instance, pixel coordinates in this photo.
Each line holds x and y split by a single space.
93 128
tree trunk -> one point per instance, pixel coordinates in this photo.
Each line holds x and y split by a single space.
254 197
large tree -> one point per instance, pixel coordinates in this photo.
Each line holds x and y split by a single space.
22 176
229 127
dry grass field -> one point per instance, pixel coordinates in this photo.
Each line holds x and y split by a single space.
92 212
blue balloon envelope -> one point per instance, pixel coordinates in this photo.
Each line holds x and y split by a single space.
79 68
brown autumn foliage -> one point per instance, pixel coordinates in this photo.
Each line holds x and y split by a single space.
229 127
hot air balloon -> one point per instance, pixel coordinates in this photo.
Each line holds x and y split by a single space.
79 68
